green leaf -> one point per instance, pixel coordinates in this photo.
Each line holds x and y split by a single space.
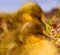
48 28
50 20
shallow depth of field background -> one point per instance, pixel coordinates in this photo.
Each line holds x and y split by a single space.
13 5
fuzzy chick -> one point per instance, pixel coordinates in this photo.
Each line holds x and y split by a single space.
31 38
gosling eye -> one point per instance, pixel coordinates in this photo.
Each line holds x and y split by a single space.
38 17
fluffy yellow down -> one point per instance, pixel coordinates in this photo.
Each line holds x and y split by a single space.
36 46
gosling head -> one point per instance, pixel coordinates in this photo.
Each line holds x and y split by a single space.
31 12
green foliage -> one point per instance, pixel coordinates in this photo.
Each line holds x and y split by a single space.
58 36
48 28
50 20
47 23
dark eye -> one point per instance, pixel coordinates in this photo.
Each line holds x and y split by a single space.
38 17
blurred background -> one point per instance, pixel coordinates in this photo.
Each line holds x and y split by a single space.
13 5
